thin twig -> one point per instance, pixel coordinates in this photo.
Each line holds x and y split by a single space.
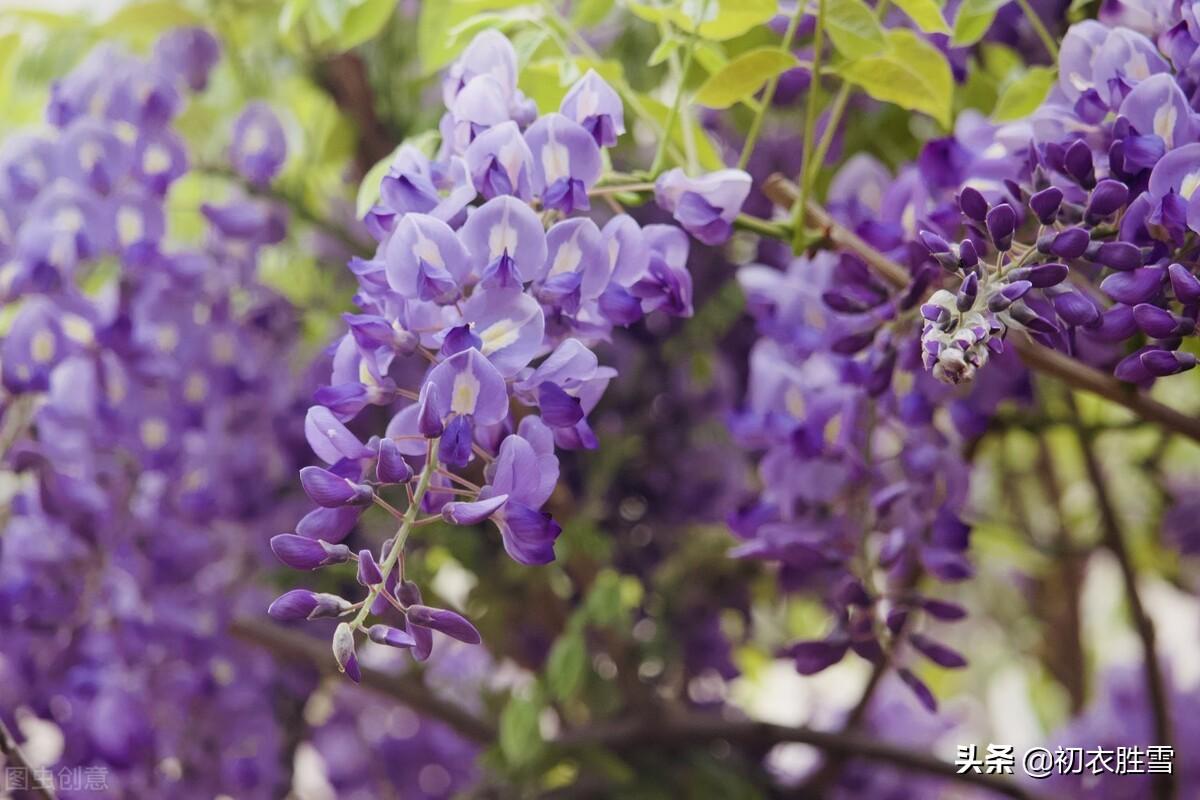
15 760
1114 540
1070 371
693 727
292 645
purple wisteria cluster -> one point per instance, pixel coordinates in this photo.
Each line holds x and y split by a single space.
1089 245
144 388
864 485
477 316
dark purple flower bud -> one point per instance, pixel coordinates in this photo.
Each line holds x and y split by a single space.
299 552
368 570
881 364
851 592
919 689
454 448
1116 325
1031 319
443 620
1008 295
1135 286
1108 196
391 467
934 313
1045 204
409 594
936 652
1131 369
934 243
1040 276
897 618
1075 308
1071 243
854 343
1078 163
1156 322
813 657
968 256
330 524
1184 284
429 422
343 652
941 609
973 204
559 409
1118 255
967 292
392 637
301 604
845 303
1161 363
1001 222
331 490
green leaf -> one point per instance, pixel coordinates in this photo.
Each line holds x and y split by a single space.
1021 97
586 13
362 22
148 18
911 73
853 28
520 736
566 668
926 13
436 47
663 51
744 76
724 20
973 20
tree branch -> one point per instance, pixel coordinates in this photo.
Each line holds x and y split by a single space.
296 646
662 730
1114 540
1070 371
692 728
15 759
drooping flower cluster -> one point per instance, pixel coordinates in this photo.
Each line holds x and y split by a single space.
1088 245
863 481
144 386
477 313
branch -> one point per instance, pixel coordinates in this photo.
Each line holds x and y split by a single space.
692 728
661 731
15 759
1070 371
1114 540
294 646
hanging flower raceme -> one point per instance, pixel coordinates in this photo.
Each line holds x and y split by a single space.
478 314
1087 246
140 410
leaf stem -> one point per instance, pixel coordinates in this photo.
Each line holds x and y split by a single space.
406 526
660 154
768 95
1040 29
810 126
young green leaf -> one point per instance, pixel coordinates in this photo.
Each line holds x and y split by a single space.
566 667
742 77
911 73
973 20
362 22
853 28
520 737
926 13
1021 97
